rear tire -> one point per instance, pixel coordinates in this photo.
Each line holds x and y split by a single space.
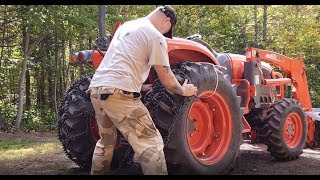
286 129
215 135
77 127
74 128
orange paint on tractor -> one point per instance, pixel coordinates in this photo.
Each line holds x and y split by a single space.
296 74
233 89
182 49
96 59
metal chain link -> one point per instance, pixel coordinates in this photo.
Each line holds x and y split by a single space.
151 102
176 111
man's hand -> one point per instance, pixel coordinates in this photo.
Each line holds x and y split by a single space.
189 89
170 82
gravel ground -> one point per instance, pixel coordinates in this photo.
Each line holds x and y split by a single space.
253 160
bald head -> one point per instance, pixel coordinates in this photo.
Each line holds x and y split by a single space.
156 11
159 20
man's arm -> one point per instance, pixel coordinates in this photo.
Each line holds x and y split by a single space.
170 82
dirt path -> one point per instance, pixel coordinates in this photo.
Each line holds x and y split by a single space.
53 163
253 160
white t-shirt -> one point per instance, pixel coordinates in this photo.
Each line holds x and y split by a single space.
135 47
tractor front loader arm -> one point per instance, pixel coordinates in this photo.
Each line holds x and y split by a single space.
295 76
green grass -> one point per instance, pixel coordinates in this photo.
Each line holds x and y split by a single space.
61 168
21 149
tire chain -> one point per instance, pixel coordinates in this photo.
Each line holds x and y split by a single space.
64 114
151 100
67 98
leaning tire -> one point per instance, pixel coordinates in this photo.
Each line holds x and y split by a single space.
286 129
76 124
78 130
201 135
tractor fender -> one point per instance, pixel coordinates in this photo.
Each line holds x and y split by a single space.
182 49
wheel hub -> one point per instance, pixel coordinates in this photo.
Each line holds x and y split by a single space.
293 130
209 127
290 129
192 130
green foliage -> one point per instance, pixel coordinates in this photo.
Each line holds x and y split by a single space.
34 119
214 23
38 120
8 112
294 30
291 30
313 74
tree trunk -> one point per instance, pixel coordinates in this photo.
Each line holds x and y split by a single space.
63 67
90 42
242 26
56 53
68 68
12 88
102 20
28 49
38 79
4 31
42 95
2 123
71 70
264 32
22 79
38 89
50 92
120 9
28 93
256 26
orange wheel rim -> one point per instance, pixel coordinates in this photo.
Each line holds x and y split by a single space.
292 130
94 128
209 127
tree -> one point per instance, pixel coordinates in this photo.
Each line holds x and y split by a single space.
256 42
102 20
27 50
264 29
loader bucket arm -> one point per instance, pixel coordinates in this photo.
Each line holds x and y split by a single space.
296 75
294 69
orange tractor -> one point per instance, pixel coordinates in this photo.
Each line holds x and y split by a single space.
239 97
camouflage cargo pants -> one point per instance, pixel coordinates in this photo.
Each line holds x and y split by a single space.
132 118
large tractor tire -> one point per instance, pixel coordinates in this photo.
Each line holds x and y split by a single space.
77 126
201 135
285 129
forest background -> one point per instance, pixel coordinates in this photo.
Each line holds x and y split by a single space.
36 42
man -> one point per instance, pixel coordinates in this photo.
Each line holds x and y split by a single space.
136 46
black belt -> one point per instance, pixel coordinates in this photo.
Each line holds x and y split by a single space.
104 96
135 95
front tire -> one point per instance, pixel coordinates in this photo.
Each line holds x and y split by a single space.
286 129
